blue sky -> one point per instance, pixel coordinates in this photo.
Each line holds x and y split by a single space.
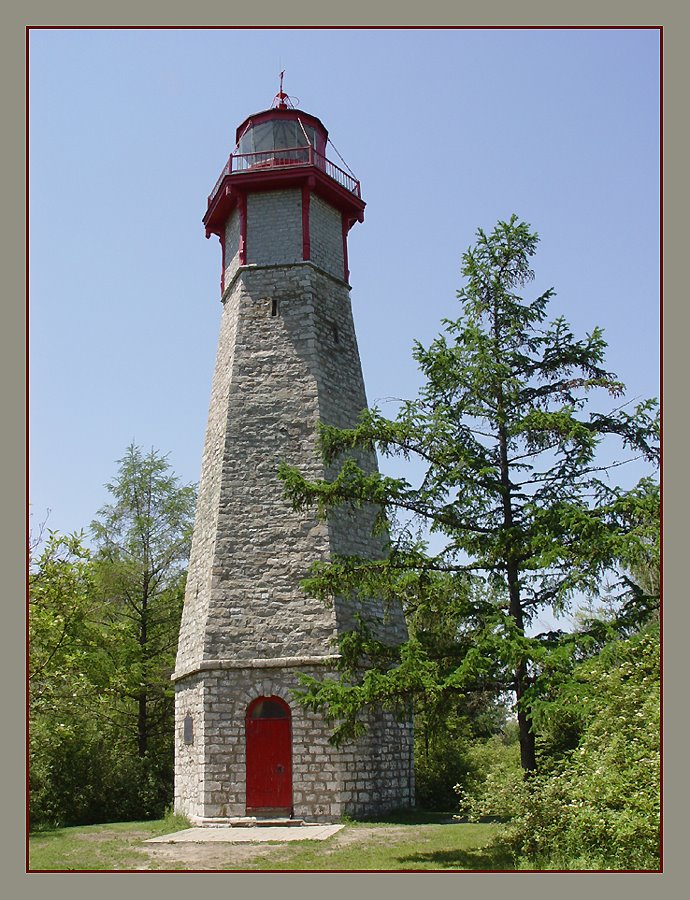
448 130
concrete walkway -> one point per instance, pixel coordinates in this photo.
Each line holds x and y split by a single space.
251 834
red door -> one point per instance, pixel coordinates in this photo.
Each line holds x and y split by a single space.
269 757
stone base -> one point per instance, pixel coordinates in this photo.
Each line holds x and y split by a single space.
371 776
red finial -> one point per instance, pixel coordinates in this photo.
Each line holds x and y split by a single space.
281 99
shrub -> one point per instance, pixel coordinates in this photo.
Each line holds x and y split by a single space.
495 781
437 768
599 808
81 775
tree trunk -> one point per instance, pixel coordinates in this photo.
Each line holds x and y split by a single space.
142 718
142 725
527 748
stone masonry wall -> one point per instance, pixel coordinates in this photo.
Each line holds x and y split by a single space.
342 398
232 246
373 774
200 573
326 236
274 227
274 232
287 359
288 372
189 758
263 548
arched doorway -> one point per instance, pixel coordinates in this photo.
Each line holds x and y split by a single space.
269 757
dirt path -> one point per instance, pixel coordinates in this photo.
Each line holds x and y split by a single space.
193 857
206 856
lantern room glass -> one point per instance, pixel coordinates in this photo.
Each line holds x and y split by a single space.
259 142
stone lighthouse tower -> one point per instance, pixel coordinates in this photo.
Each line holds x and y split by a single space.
287 358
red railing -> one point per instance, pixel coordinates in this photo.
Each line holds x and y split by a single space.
287 158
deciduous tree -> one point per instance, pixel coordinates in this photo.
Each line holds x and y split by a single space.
142 546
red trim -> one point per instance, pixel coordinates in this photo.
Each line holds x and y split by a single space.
306 235
242 207
234 185
346 228
285 158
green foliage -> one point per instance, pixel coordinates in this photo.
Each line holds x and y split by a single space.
449 722
82 772
142 540
514 492
103 628
61 620
495 779
441 739
597 805
65 639
173 821
440 763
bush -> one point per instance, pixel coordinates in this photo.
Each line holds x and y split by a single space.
495 779
79 775
599 808
438 767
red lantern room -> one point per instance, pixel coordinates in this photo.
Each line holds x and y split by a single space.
282 147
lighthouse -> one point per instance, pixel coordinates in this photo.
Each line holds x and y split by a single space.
287 359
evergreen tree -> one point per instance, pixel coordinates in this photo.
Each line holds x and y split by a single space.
516 486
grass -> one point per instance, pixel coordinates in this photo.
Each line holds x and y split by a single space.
117 845
416 841
385 847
